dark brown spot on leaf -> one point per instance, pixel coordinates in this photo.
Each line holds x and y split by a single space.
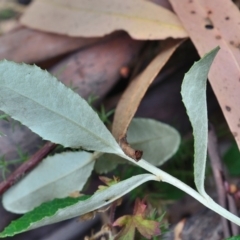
228 108
209 26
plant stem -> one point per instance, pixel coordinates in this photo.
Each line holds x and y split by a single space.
207 201
165 177
27 166
224 198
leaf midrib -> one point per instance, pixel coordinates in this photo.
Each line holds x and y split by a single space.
59 114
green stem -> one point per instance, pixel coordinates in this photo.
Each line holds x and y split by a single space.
205 200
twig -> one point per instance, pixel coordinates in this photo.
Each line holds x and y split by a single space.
223 196
108 219
106 230
112 211
27 166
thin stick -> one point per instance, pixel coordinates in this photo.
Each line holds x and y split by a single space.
223 196
27 166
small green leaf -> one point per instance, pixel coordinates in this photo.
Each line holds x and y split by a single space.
232 160
194 98
7 13
147 228
108 162
36 99
52 212
55 177
108 181
234 238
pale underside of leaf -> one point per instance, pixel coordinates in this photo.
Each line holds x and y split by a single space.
108 162
194 97
98 200
132 97
213 25
55 177
36 99
157 140
87 18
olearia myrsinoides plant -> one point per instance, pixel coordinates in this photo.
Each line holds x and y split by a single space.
57 114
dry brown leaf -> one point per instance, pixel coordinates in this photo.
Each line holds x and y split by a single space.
88 18
178 229
131 98
210 24
94 70
31 46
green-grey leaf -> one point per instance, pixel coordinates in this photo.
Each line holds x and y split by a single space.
108 162
52 212
50 109
55 177
157 140
194 98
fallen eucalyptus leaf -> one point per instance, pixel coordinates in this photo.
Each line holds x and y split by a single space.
209 24
86 18
131 98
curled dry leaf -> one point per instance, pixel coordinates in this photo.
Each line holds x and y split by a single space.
131 98
88 18
209 24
